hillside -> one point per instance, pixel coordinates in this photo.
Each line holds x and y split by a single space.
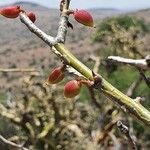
19 40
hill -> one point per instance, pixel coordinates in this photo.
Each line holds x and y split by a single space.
19 39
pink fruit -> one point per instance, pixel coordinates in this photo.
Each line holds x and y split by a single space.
56 76
31 16
83 17
11 11
72 88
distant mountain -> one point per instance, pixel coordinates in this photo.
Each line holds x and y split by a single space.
31 6
145 13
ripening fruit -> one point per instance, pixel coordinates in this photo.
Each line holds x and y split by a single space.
31 16
56 76
72 88
83 17
11 11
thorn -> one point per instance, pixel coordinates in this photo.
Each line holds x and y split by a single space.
97 80
69 25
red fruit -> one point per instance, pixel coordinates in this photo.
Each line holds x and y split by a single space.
72 88
11 11
31 16
56 76
83 17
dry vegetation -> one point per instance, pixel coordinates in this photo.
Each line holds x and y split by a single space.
38 116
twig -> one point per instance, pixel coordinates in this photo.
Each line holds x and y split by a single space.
12 143
125 130
63 23
93 98
133 86
140 63
18 70
102 136
117 144
34 29
97 60
146 79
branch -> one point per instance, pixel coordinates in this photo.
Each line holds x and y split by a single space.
133 86
63 23
125 130
107 129
140 63
12 143
34 29
93 98
97 64
146 79
18 70
123 101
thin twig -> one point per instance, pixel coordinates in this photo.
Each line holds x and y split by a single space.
93 98
140 63
107 129
117 144
18 70
146 79
63 23
133 86
125 130
34 29
97 64
12 143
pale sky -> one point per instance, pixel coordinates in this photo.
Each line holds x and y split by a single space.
119 4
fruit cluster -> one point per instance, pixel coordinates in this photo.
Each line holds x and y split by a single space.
72 87
81 16
14 11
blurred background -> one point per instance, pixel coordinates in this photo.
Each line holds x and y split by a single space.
37 115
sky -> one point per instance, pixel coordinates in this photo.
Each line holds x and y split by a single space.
118 4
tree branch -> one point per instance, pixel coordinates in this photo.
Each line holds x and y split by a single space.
12 143
63 23
133 86
125 130
18 70
146 79
34 29
140 63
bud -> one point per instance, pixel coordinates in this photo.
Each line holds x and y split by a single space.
72 88
11 11
31 16
56 76
83 17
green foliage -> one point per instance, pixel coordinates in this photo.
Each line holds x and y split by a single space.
125 22
2 97
122 36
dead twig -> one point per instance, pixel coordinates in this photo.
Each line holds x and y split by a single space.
125 130
12 143
18 70
140 63
146 79
133 86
